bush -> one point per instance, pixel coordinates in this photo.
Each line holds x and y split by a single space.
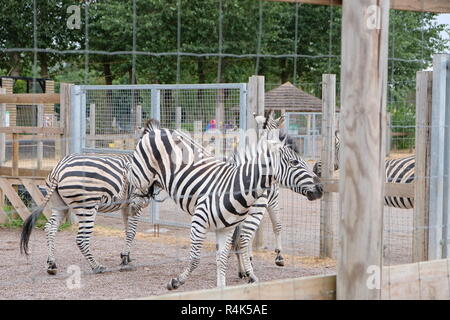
403 120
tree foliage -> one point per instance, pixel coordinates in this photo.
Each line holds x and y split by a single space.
248 27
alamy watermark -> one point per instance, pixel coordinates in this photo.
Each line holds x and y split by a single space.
374 277
74 20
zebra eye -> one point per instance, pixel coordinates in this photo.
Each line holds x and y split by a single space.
294 162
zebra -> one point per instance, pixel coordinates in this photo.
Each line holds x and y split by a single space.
87 184
216 193
245 232
401 170
317 169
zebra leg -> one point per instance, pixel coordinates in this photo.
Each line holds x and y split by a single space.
249 227
86 221
224 238
198 236
276 225
51 227
130 233
236 245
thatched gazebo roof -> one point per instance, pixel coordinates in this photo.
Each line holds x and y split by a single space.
289 98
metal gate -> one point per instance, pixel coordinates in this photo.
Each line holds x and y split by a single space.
105 119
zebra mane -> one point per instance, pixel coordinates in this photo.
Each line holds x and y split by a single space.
289 141
151 125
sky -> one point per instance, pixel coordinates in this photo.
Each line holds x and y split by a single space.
445 19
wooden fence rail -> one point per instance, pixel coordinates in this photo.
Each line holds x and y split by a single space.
427 280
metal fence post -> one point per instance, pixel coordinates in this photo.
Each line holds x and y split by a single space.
439 158
156 114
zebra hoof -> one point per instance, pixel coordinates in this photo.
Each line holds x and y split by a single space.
52 269
99 269
279 261
173 284
125 259
243 275
252 279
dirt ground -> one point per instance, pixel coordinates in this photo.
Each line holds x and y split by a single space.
156 261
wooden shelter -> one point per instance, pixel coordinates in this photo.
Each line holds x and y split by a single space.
22 114
289 98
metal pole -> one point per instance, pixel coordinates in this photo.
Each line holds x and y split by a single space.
156 114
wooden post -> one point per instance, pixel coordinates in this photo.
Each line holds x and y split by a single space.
255 105
65 112
2 135
92 126
40 143
138 115
363 121
422 173
327 158
2 151
15 155
178 118
438 196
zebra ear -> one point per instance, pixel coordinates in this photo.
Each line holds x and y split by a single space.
280 121
260 120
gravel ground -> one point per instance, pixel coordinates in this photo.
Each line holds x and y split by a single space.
156 261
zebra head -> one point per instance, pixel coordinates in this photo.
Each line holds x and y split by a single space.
292 172
144 185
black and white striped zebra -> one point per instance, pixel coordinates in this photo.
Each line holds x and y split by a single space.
244 233
217 194
87 184
400 171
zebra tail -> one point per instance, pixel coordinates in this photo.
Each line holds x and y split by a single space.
31 221
27 228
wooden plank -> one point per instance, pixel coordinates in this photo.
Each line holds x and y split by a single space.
426 280
14 198
30 98
363 94
7 171
422 173
36 194
30 130
305 288
327 159
436 6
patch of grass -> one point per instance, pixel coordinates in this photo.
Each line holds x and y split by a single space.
15 223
